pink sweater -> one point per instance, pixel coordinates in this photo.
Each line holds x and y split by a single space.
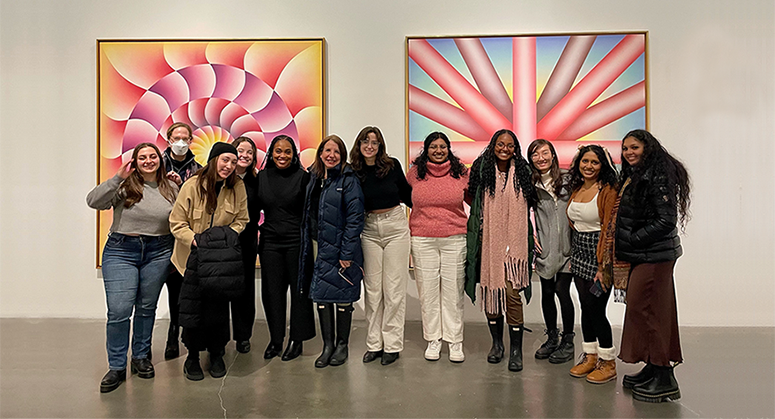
438 209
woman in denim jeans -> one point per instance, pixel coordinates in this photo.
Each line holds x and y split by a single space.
136 258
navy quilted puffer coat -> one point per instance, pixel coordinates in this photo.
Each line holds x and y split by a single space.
340 222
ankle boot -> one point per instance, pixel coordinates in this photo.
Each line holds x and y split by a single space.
661 388
588 360
293 350
496 331
515 348
645 374
326 316
344 319
605 369
172 350
551 344
565 351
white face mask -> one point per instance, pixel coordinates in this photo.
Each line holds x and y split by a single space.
180 147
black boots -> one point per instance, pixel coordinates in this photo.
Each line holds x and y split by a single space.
112 380
496 331
660 388
293 350
217 366
515 348
191 368
272 350
142 367
551 344
645 374
172 350
326 316
344 319
565 351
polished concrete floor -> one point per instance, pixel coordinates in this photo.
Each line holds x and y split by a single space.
52 368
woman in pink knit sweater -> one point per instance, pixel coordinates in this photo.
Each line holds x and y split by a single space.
439 182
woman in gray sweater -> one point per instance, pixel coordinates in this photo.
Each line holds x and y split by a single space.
136 258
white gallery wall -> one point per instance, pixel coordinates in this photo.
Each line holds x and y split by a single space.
712 103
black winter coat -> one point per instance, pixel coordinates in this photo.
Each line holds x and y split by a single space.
213 272
646 223
340 223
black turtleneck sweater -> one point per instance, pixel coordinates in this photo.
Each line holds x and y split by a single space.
281 197
386 192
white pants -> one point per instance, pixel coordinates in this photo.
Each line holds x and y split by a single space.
439 270
386 245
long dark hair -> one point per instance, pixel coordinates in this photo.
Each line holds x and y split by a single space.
206 179
132 187
240 140
269 161
554 171
606 176
483 170
383 161
657 159
456 169
318 167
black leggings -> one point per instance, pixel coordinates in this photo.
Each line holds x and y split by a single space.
559 286
243 308
594 322
174 282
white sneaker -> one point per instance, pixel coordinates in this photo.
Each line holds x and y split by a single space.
433 352
456 352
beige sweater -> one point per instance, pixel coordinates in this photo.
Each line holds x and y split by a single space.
188 216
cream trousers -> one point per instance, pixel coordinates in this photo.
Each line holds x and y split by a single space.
386 246
439 271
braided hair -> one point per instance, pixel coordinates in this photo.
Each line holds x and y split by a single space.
484 167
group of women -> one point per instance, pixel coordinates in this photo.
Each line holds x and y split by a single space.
329 228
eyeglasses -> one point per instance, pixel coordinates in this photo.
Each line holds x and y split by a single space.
373 144
504 145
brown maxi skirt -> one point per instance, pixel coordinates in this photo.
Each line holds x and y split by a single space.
650 332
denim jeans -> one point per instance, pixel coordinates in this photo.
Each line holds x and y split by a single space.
134 269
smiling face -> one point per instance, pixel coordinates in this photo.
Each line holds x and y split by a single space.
282 154
225 165
589 166
542 159
438 152
246 155
369 146
632 150
147 161
504 147
330 155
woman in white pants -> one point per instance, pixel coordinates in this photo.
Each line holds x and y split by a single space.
385 242
439 182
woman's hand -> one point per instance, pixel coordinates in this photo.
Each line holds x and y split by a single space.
126 169
599 278
171 175
193 243
345 263
538 247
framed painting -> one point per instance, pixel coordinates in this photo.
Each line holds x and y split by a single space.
570 89
223 89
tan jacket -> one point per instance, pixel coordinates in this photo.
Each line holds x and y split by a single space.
188 216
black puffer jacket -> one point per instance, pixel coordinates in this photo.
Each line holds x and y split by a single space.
213 272
646 224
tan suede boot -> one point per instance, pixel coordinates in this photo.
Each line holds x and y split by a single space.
605 370
588 360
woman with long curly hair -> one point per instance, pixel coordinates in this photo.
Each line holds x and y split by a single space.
136 258
386 244
499 240
654 197
593 182
552 262
439 183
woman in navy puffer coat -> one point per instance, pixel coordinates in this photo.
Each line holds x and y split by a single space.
331 256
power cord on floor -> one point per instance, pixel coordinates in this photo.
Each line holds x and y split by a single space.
223 382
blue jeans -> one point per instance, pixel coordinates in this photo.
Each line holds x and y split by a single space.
134 270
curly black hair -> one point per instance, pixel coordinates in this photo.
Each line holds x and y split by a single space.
607 174
655 157
457 168
483 171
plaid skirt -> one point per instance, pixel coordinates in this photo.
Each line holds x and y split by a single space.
583 259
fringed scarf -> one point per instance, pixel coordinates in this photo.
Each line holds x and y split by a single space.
504 243
614 270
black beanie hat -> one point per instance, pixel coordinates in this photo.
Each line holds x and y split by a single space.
220 148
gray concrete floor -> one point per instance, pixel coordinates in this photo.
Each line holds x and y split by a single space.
52 368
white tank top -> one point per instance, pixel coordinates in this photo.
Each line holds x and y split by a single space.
585 215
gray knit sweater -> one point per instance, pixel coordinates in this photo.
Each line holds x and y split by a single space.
149 217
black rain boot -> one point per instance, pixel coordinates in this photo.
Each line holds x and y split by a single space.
172 350
326 316
496 331
551 344
645 374
566 351
293 350
661 388
515 348
344 319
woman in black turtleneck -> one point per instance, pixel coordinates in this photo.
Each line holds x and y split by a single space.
281 187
